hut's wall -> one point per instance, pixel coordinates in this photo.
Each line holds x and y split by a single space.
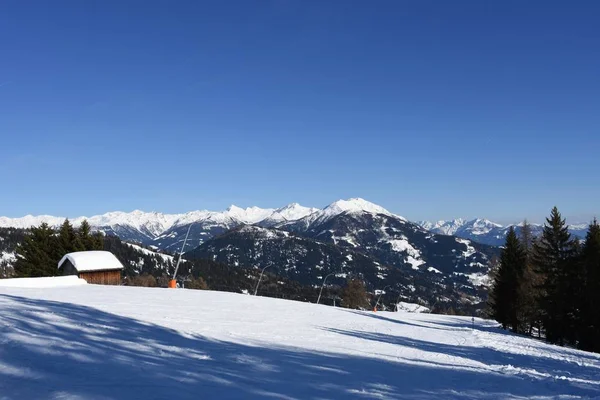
102 277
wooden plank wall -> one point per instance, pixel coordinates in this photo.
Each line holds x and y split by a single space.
102 277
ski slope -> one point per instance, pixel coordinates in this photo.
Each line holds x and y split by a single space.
100 342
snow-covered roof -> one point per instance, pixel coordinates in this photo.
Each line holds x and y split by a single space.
84 261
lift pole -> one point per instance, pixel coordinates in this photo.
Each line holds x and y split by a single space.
173 282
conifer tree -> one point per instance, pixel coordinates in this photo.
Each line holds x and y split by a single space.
34 255
505 292
553 257
98 241
527 307
590 317
85 235
526 238
89 240
494 266
68 240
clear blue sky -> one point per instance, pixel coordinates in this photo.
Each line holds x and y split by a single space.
433 109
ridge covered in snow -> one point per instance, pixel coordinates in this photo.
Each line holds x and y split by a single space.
487 232
291 212
451 227
152 225
350 206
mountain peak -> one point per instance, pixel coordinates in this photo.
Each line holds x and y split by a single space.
355 204
289 207
250 215
483 222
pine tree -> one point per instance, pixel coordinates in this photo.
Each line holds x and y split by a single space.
68 240
98 241
85 236
553 257
505 292
590 317
527 307
526 238
34 256
574 292
89 240
494 266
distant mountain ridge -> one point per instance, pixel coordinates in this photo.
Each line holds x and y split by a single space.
167 231
487 232
347 238
357 238
160 230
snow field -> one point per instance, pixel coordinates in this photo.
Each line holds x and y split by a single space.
100 342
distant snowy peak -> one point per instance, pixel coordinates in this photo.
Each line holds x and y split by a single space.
30 220
480 226
289 213
250 215
451 227
355 205
294 211
235 215
443 227
151 223
485 231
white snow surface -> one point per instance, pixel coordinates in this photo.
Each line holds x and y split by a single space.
413 255
479 279
104 342
46 282
470 249
412 307
95 260
141 249
5 256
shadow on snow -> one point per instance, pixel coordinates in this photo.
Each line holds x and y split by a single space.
62 350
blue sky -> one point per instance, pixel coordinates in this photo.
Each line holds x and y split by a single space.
433 109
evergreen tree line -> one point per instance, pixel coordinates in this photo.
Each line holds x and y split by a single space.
39 250
10 238
43 248
549 285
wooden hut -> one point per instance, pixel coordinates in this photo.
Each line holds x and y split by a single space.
97 267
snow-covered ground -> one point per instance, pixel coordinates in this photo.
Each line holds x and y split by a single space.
99 342
39 283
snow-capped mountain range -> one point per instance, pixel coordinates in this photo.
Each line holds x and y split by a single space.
304 244
487 232
355 237
146 227
166 231
155 222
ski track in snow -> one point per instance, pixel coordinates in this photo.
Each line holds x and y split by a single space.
99 342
